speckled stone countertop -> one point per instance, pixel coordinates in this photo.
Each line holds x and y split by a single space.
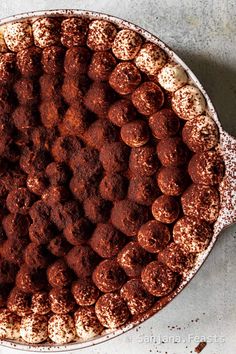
203 34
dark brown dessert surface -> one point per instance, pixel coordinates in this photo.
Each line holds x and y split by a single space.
103 203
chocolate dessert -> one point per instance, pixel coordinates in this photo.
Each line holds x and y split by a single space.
109 177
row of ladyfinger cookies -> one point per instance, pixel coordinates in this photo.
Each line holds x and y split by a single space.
100 35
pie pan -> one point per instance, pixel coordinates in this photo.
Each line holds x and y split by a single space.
227 188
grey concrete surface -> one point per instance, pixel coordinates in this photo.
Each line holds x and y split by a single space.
203 33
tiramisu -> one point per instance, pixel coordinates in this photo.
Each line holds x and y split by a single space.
109 177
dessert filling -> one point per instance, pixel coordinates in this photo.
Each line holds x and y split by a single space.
109 176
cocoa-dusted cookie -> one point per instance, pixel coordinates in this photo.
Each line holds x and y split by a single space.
19 302
58 274
40 212
78 231
172 181
171 77
122 112
36 256
16 225
40 303
114 157
136 296
108 276
12 250
46 31
65 147
172 152
77 60
83 186
101 34
101 66
34 328
188 102
111 310
132 258
113 187
61 328
153 236
97 209
50 88
41 232
135 134
165 209
87 324
106 240
85 162
125 78
158 279
53 59
148 98
29 61
75 120
101 132
191 234
54 195
34 160
27 91
164 123
10 324
30 280
85 292
42 138
57 173
19 201
128 216
82 260
200 133
143 160
126 44
51 113
7 68
206 168
61 301
143 190
74 31
98 98
72 88
202 202
175 259
150 59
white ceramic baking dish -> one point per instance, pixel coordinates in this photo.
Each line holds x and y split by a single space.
227 216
